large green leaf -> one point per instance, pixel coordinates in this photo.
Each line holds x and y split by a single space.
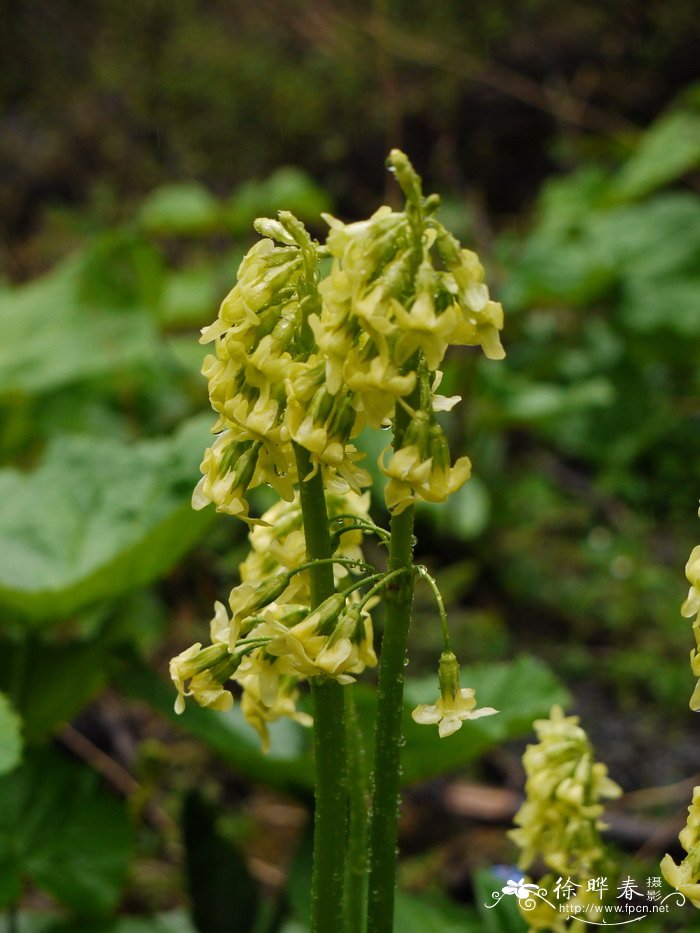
61 830
80 321
10 736
667 150
97 518
522 690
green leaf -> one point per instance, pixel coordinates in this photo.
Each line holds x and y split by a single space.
667 150
10 736
651 303
61 830
643 238
287 765
59 330
567 266
97 518
522 690
181 210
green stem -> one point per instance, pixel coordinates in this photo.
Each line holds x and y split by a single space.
423 572
330 817
383 581
350 562
387 751
356 885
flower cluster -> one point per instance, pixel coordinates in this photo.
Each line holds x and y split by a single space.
310 361
560 819
301 365
401 290
686 876
270 640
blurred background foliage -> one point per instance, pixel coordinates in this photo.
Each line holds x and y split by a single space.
137 144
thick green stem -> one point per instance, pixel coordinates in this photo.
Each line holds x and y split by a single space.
356 886
388 741
330 818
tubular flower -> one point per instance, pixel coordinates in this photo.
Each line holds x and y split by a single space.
560 819
454 705
249 598
277 543
201 672
420 469
686 876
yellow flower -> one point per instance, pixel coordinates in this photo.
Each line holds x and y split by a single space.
229 468
258 714
422 328
333 640
454 705
376 384
245 600
420 469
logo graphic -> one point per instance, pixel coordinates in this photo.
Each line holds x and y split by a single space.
632 901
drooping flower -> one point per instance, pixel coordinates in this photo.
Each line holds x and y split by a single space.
454 705
202 672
